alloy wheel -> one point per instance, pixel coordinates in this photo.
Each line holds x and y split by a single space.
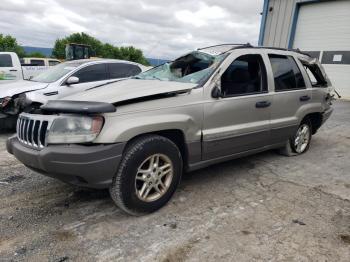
154 177
302 138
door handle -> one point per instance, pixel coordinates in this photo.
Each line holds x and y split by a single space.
304 98
262 104
13 70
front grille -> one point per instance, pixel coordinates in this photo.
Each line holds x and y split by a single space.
32 129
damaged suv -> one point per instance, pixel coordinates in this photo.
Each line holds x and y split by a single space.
138 136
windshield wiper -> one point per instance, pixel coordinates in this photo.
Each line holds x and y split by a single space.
154 77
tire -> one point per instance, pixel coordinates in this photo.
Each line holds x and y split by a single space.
291 148
128 185
8 124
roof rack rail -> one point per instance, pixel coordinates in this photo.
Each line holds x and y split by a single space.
297 50
246 45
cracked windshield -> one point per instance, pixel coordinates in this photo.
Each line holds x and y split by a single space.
191 68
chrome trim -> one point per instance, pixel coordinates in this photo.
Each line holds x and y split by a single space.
30 133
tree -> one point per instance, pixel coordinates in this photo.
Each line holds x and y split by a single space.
100 49
35 54
9 44
133 54
59 49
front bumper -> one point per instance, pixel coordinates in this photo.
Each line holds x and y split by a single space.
90 166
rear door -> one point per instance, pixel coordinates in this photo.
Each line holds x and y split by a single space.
239 120
122 70
89 76
291 96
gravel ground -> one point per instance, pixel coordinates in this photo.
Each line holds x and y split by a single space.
264 207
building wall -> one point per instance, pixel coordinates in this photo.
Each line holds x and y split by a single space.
278 22
320 26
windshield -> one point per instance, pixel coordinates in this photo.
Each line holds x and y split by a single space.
55 72
191 68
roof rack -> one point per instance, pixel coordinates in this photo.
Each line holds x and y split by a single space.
297 50
248 45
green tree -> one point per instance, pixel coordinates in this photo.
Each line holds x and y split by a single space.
35 54
133 54
9 44
59 48
100 49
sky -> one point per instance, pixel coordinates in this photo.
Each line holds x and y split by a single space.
160 28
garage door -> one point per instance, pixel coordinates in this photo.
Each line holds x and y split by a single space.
325 27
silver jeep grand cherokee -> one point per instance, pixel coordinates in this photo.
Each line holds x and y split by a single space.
137 136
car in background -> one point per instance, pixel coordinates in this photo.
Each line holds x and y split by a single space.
64 79
12 68
38 61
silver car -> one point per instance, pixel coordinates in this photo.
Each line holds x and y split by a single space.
138 136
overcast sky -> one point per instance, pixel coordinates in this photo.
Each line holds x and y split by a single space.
161 28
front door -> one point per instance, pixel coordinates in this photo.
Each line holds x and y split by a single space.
239 121
8 69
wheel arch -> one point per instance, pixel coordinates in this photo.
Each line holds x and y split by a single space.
316 120
177 136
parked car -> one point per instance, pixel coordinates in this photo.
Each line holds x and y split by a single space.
137 137
13 69
60 81
38 61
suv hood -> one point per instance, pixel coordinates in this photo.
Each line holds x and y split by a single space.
130 89
18 87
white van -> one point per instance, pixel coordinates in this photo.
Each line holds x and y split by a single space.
13 69
35 61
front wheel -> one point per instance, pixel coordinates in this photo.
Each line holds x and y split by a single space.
8 124
300 142
148 175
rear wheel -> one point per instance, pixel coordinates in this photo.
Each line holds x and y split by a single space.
147 176
300 142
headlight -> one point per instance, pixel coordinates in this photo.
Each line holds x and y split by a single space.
4 101
74 129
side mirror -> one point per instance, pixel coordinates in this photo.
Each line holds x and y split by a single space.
216 92
72 80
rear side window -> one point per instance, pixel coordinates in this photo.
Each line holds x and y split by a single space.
5 60
92 73
315 75
246 75
121 70
286 73
37 62
53 62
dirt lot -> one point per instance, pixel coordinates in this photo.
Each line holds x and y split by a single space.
260 208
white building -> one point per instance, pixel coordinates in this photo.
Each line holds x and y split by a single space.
321 27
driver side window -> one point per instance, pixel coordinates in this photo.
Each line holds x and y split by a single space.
246 75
